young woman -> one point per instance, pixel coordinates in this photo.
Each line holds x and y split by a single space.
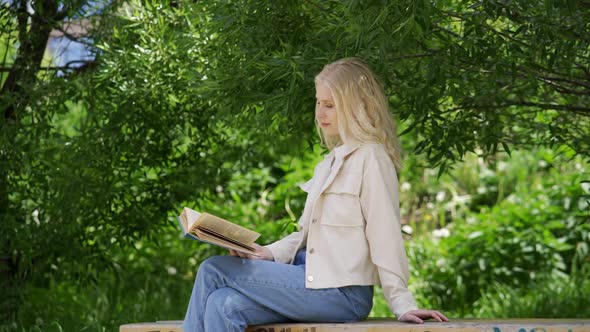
349 236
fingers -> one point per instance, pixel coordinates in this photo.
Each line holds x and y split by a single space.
434 314
437 315
416 319
240 254
236 253
427 314
261 253
411 318
418 316
442 317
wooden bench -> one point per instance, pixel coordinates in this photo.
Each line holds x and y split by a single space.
391 325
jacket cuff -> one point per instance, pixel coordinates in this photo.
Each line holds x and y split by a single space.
281 256
402 305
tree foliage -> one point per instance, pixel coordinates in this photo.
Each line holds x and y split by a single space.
181 94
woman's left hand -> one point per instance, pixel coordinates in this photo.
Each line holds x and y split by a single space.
261 252
418 316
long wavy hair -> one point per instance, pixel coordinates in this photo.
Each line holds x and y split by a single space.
363 109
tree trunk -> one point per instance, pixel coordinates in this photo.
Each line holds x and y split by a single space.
20 80
29 55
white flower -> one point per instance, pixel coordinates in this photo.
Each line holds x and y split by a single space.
261 210
486 173
406 186
407 229
36 216
461 199
440 196
440 233
171 270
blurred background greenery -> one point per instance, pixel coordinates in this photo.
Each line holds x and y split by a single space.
117 114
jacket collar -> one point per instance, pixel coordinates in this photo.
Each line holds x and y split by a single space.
341 152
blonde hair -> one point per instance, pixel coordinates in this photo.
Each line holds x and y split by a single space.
363 109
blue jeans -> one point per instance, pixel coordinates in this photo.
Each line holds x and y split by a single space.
231 293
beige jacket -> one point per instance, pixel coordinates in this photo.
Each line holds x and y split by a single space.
350 226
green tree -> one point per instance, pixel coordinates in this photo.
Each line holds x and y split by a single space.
183 94
25 128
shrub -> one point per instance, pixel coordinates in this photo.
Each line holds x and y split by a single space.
541 228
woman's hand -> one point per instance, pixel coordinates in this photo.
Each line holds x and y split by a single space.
261 253
418 316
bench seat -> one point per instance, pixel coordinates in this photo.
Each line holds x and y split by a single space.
391 325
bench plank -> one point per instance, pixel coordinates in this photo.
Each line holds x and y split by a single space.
391 325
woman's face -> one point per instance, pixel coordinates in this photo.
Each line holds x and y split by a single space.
325 110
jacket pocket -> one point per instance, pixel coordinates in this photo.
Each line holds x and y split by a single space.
341 203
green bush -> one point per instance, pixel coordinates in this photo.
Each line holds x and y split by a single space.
532 238
540 228
149 281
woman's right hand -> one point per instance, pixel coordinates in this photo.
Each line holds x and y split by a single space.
418 316
261 253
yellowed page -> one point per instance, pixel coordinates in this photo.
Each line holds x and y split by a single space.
226 228
220 242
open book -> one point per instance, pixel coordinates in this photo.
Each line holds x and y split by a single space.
211 229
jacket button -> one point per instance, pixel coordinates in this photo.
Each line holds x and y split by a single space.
310 278
313 220
311 251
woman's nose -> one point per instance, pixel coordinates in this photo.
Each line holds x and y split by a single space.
319 112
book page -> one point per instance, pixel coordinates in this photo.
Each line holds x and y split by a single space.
230 230
204 237
182 223
189 217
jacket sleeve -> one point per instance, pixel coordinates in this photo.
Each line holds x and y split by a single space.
380 206
283 249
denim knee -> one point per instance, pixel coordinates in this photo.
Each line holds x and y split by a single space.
212 264
224 306
213 261
225 301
